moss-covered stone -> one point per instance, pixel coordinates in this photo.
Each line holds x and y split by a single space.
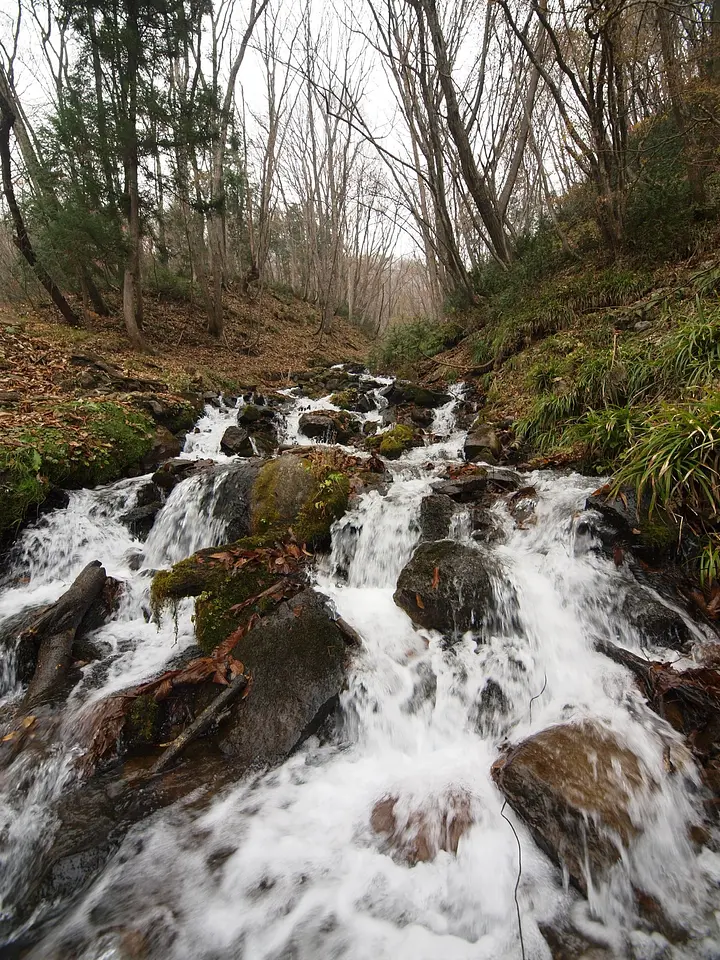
346 399
218 586
393 443
302 495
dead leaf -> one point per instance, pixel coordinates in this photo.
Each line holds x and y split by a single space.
436 578
419 601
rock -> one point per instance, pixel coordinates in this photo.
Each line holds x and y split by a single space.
140 520
416 834
164 447
656 623
394 442
329 426
236 442
233 498
402 391
642 325
436 513
573 785
447 586
482 443
366 403
174 471
297 657
486 528
464 489
178 415
521 506
253 413
422 417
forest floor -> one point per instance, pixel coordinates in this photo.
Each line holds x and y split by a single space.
76 405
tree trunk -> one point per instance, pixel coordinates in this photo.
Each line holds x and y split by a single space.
472 176
132 291
674 88
22 240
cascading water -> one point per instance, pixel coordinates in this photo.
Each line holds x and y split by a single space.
286 864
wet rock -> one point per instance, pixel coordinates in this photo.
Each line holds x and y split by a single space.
140 520
482 443
174 471
233 500
253 413
625 524
297 657
164 447
366 403
436 513
329 426
486 527
573 785
447 586
521 506
414 833
402 391
657 624
566 943
236 442
464 489
394 442
423 418
490 710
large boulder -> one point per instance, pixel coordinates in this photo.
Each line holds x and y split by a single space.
402 392
448 586
236 442
297 659
482 443
233 495
574 785
330 426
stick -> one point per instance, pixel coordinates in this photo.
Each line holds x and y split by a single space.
200 724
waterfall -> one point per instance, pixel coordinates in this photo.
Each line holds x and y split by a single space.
286 863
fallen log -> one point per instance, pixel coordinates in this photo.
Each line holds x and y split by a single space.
202 723
54 631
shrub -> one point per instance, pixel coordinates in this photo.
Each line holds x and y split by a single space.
409 343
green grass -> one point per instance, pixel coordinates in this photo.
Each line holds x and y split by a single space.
87 444
409 343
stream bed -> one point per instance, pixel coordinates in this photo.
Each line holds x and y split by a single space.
286 864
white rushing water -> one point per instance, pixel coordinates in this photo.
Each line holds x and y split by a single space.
286 865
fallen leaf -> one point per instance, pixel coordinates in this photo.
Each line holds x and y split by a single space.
436 578
419 601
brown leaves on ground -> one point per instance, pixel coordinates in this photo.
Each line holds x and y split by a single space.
710 603
284 558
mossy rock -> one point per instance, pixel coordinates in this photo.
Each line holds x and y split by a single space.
305 495
346 399
393 443
217 587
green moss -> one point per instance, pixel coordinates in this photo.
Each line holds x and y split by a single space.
346 399
88 443
395 442
214 620
301 495
142 720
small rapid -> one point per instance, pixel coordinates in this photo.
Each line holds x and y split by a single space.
287 864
